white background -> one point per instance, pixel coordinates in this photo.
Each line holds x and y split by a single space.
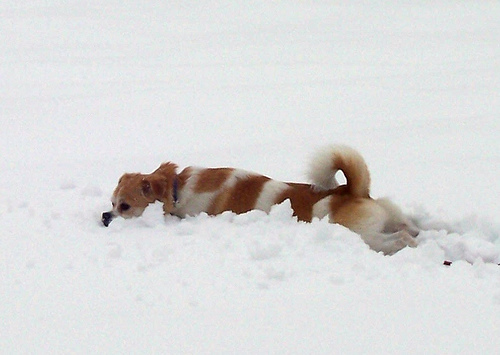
89 90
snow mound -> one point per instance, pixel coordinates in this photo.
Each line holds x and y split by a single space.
470 239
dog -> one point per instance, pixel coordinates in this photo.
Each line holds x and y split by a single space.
379 222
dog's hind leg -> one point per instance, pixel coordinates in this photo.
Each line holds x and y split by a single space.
389 243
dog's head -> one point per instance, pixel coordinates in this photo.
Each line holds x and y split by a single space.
135 192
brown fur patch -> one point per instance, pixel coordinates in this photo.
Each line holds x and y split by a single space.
240 198
347 211
210 180
302 198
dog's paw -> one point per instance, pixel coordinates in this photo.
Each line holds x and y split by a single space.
409 239
390 243
402 239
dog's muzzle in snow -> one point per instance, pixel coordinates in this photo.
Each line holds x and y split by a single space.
107 217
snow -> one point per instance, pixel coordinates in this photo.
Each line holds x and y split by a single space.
91 90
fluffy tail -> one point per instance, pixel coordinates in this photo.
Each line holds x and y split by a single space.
330 160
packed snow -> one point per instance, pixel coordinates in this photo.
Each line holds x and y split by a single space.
91 90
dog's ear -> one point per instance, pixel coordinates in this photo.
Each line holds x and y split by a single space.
128 177
166 169
124 177
146 188
152 188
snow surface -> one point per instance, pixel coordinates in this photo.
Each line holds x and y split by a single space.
89 90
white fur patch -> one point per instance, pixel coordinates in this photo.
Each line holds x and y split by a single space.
190 203
237 174
267 198
196 204
321 208
321 169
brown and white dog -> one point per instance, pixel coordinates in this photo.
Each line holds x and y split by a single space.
379 222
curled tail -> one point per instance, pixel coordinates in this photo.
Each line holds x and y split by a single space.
328 161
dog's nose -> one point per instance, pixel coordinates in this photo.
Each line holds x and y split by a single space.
106 219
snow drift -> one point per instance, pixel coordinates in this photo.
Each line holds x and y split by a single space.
92 90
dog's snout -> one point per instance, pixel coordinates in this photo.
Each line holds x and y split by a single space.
107 217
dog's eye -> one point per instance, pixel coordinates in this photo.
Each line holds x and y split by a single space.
124 206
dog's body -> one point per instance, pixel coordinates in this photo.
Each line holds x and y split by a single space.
380 223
